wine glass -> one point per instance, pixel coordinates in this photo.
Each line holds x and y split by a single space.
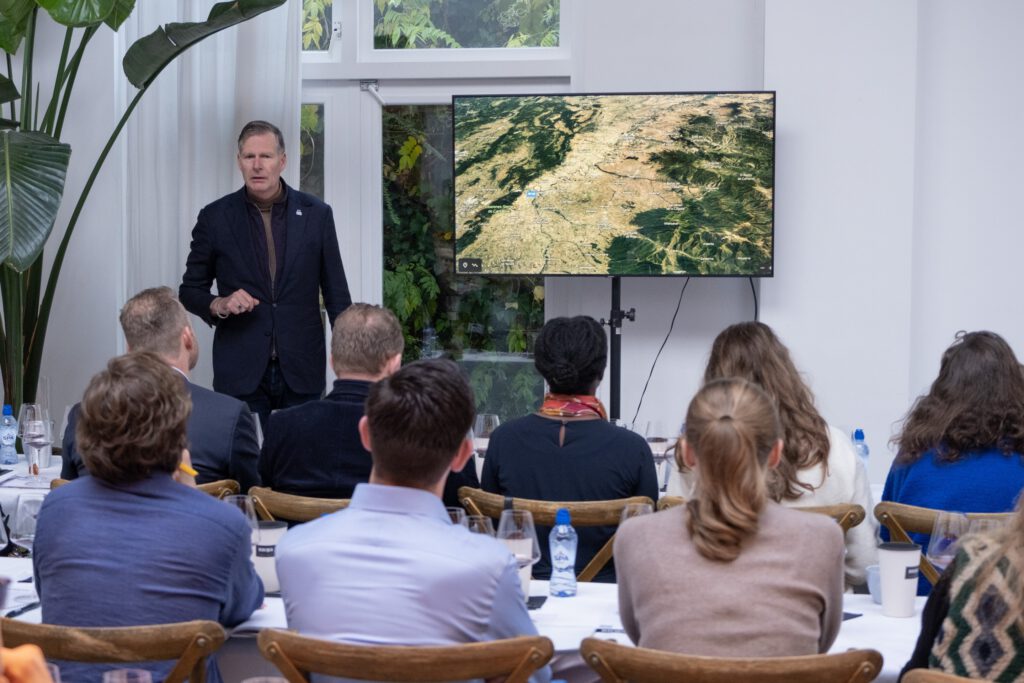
36 432
985 525
259 429
458 516
485 424
248 509
946 533
635 510
480 524
516 530
23 528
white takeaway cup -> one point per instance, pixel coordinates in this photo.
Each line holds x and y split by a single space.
898 567
265 554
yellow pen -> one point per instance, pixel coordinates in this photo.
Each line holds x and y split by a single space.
186 469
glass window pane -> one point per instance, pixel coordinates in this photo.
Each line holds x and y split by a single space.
311 152
401 24
488 324
316 25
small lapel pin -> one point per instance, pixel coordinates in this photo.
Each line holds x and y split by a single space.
298 212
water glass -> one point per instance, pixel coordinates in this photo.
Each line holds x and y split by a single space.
247 507
458 516
480 524
23 528
946 533
985 525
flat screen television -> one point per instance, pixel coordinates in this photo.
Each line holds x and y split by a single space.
619 184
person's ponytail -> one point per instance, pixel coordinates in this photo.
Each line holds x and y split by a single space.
731 427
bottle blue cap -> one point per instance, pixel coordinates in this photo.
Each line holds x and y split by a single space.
562 516
8 410
858 434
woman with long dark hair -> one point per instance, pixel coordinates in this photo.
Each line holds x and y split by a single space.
818 464
961 444
680 569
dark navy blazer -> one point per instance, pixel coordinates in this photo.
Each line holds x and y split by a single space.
221 440
223 250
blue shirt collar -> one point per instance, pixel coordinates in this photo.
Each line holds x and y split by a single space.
398 500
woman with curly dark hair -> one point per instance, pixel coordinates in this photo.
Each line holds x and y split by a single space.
818 465
961 444
567 450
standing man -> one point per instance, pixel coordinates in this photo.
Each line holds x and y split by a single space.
273 251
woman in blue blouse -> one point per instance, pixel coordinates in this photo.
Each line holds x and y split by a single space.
961 444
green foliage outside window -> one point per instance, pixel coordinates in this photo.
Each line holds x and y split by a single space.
316 25
465 23
487 323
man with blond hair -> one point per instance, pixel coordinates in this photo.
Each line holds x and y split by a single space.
221 431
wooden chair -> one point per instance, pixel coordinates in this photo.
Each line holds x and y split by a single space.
513 660
189 642
848 515
220 488
902 520
271 505
616 663
57 483
934 676
586 513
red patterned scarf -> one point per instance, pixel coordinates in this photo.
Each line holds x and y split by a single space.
564 405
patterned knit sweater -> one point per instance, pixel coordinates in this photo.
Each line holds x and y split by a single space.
981 636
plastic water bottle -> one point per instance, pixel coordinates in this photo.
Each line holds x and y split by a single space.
8 435
861 446
563 541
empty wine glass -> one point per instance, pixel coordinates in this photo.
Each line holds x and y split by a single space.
635 510
485 424
36 432
458 516
248 508
480 524
516 530
259 429
985 525
23 528
946 533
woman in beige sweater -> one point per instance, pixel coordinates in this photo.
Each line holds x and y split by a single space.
731 573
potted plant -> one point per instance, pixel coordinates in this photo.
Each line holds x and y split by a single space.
34 161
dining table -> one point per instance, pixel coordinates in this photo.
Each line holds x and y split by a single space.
593 612
16 481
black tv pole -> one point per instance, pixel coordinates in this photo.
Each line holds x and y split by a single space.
615 349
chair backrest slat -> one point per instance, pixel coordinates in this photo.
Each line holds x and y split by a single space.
617 663
188 642
296 656
271 505
220 488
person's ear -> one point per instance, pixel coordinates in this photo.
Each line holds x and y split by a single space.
775 457
188 337
685 457
392 365
364 433
463 455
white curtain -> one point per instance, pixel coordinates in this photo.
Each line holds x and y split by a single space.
181 142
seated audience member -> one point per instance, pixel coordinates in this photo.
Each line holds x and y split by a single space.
314 449
130 545
684 572
961 444
392 568
973 622
221 433
567 450
819 465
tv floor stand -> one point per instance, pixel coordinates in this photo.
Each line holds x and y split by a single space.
614 322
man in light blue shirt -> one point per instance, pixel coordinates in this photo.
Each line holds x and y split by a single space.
392 569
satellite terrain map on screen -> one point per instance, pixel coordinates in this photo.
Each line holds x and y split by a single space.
677 184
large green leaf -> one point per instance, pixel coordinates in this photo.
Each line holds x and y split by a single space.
14 16
77 12
8 91
122 10
147 56
33 167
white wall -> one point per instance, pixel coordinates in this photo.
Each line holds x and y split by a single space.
897 170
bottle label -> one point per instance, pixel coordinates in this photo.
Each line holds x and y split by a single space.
561 558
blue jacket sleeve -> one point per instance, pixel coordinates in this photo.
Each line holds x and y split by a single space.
245 451
245 589
333 283
509 617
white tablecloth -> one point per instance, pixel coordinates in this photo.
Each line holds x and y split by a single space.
567 621
10 489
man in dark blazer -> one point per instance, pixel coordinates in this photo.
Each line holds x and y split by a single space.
221 430
272 251
314 449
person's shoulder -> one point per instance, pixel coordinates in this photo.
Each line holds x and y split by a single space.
305 199
813 527
230 200
214 398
